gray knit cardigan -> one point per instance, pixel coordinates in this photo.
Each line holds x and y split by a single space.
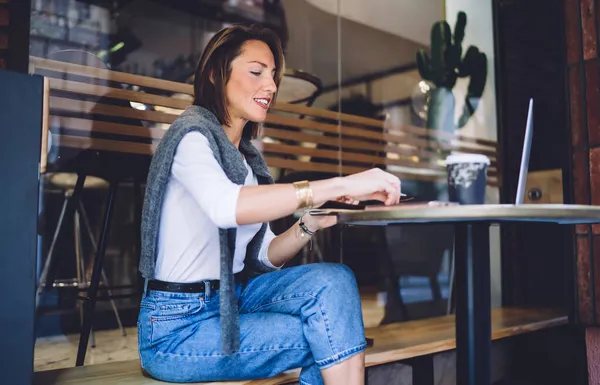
199 119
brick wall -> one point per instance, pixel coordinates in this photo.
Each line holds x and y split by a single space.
583 66
582 20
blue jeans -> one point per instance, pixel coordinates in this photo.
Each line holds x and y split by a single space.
305 317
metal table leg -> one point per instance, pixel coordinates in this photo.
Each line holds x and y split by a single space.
423 370
473 309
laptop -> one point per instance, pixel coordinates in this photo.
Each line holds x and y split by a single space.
520 197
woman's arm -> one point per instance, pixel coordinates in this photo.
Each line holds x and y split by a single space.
286 245
266 203
269 202
229 205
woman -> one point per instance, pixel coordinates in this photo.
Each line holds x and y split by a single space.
217 305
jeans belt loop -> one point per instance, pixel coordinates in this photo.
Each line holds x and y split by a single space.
207 292
145 287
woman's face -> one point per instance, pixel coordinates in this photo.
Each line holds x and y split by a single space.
251 84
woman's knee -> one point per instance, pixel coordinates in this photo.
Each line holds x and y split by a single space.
335 275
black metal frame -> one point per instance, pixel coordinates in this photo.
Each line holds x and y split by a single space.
473 309
18 32
20 123
422 370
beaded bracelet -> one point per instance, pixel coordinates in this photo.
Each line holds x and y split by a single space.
305 231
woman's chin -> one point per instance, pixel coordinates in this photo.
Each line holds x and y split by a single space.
258 117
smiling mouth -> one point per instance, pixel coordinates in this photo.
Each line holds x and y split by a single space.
263 102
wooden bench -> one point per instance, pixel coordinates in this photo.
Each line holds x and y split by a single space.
392 343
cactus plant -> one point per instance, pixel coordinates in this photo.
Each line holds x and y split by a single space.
444 66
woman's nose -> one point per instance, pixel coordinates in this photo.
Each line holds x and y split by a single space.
271 86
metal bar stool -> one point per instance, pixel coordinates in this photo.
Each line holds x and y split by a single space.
72 187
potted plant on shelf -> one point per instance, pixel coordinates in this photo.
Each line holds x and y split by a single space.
443 67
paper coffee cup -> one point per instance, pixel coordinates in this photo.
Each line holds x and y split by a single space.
467 178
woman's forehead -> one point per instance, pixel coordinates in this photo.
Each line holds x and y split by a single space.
255 51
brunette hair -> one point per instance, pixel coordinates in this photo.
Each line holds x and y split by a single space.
214 68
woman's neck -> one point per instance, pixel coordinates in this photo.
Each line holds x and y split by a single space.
234 131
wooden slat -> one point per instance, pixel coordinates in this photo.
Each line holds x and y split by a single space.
96 144
404 138
352 144
276 133
79 106
346 156
91 126
97 73
392 343
115 93
343 169
326 114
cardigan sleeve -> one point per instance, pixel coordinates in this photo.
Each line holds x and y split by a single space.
196 169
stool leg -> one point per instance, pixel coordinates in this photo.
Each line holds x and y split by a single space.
68 205
80 264
93 289
48 262
90 233
451 302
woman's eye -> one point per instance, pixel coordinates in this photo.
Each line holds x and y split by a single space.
255 73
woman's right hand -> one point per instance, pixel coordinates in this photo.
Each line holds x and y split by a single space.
373 184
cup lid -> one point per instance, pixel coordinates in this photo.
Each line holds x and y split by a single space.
467 158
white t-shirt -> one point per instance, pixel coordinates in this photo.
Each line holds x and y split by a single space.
199 199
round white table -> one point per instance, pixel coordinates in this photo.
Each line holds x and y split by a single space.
472 264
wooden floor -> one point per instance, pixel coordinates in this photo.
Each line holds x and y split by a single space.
393 342
399 341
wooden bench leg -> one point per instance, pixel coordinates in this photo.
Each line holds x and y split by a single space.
422 370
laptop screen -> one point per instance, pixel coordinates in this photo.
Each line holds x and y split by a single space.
525 156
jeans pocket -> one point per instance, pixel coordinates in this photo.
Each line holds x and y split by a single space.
148 306
174 311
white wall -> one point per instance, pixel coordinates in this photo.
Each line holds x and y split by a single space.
408 19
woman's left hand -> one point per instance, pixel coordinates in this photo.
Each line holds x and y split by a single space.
315 223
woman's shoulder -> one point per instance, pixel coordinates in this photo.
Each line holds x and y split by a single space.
194 119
